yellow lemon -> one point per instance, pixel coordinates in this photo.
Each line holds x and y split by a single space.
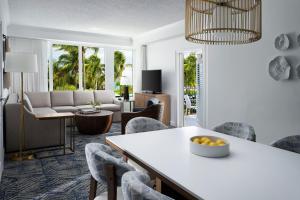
219 141
204 139
220 144
212 144
196 140
205 143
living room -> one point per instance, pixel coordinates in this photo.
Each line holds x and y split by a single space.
160 99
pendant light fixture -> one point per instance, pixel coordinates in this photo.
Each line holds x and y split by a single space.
223 21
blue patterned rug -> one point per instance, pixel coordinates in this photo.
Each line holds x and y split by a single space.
55 178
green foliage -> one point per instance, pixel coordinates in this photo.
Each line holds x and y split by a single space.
190 71
94 71
66 72
119 64
65 69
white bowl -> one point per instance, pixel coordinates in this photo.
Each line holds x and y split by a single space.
209 151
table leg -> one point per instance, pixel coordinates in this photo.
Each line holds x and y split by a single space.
64 121
158 184
71 134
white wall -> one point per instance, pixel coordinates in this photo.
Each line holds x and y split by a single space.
161 55
239 87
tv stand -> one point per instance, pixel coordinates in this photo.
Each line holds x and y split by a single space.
141 99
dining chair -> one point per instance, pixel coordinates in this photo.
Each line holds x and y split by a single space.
290 143
143 124
136 185
237 129
188 104
106 166
154 111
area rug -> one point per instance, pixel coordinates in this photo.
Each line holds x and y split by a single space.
55 178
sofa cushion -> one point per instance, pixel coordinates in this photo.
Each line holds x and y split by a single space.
84 106
42 111
104 96
83 97
62 98
39 99
60 109
110 107
27 103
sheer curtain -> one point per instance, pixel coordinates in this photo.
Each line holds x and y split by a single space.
34 82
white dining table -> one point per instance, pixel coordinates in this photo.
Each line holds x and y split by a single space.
252 171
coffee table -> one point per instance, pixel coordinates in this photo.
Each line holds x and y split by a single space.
96 123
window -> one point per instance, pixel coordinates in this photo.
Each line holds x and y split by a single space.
93 68
65 67
122 70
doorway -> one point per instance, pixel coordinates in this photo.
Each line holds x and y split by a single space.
191 94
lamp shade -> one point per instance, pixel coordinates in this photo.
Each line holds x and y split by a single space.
126 78
223 21
125 81
21 62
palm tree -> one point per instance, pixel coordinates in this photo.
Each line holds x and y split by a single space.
119 64
65 69
190 72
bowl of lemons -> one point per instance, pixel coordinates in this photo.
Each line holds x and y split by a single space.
209 146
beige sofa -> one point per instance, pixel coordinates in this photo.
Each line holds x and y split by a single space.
40 133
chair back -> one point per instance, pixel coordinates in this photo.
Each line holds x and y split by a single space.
237 129
98 156
188 102
143 124
290 143
136 185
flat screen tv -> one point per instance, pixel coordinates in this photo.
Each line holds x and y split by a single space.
151 81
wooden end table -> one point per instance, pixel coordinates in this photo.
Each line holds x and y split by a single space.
62 120
95 123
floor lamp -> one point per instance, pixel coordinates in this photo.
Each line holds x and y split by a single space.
23 63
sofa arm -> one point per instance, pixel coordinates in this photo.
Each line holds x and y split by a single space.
117 101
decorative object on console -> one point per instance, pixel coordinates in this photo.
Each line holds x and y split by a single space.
219 21
24 63
282 42
126 81
279 68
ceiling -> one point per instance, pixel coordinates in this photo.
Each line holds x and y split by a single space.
114 17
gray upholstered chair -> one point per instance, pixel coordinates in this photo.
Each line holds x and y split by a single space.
106 167
237 129
143 124
136 185
290 143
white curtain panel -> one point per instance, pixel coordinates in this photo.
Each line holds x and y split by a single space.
33 82
200 82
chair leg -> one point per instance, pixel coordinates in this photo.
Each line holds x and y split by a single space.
111 182
93 188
